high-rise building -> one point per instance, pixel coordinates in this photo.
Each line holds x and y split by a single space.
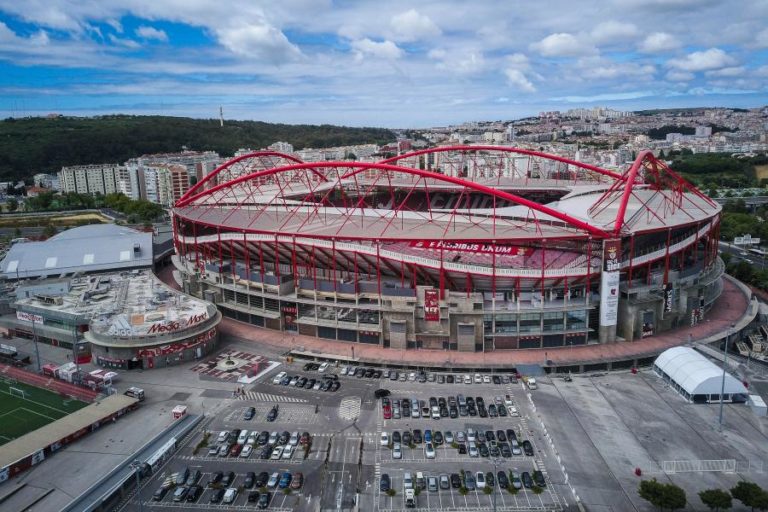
90 179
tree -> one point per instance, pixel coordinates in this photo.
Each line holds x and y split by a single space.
651 491
49 230
716 499
12 204
751 495
673 497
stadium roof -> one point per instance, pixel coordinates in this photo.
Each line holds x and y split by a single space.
96 247
696 374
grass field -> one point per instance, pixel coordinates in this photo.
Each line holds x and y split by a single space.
19 416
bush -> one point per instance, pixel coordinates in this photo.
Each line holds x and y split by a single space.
512 489
716 499
487 489
287 491
751 495
536 489
391 492
463 490
455 445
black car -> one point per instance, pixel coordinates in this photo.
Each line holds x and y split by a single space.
502 411
489 435
308 367
406 412
266 451
360 372
472 411
216 495
250 477
506 451
470 401
422 377
482 412
455 480
437 438
441 379
272 415
264 500
228 478
284 437
369 373
285 380
384 483
377 374
449 380
494 449
263 438
335 386
194 493
453 412
528 448
496 379
480 436
381 393
215 478
441 402
483 449
511 435
500 435
492 411
407 439
527 480
480 402
249 413
538 477
443 412
262 479
462 449
489 480
417 436
253 496
302 382
396 436
432 401
501 476
160 494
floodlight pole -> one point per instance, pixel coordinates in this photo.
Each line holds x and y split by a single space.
722 383
34 337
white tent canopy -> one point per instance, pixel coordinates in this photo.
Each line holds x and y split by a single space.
695 377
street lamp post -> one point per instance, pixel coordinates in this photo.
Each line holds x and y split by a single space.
495 475
136 466
34 337
722 382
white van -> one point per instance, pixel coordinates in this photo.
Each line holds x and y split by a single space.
531 383
407 480
278 377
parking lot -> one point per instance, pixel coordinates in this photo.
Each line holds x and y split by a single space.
344 458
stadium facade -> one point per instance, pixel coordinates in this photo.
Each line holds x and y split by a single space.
466 248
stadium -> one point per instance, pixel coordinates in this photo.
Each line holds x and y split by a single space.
461 248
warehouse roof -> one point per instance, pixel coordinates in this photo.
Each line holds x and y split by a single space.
96 247
696 374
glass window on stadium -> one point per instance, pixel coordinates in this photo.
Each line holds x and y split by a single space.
553 340
530 322
506 323
348 315
368 316
326 332
369 337
347 335
553 320
576 320
530 342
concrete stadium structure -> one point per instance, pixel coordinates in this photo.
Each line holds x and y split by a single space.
465 248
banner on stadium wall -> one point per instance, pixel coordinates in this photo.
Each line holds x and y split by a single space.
668 297
612 255
4 474
510 250
29 317
431 306
609 299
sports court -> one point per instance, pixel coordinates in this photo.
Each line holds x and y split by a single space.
24 408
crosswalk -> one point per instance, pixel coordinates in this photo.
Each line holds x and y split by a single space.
349 408
266 397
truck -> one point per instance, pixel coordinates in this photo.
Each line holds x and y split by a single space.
410 498
135 393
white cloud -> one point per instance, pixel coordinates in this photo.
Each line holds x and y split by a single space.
732 71
413 26
466 61
761 40
680 76
260 41
562 45
613 32
146 32
386 50
518 80
762 71
702 61
120 41
659 42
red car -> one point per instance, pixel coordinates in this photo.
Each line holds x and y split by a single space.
235 450
387 412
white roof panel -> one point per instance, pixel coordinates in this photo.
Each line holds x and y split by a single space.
696 374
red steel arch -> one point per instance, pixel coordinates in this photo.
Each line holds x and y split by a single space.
388 168
503 149
230 163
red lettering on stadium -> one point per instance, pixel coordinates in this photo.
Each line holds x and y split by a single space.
159 328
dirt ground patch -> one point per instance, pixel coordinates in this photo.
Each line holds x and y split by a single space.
761 172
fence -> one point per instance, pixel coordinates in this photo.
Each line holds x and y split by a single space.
693 466
40 381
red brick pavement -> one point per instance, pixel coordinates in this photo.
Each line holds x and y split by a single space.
731 306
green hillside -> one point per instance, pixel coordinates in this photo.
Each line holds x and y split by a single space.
32 145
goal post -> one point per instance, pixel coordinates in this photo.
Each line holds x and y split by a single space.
17 392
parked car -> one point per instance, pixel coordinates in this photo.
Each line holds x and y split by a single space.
194 493
215 478
261 479
228 478
429 451
246 451
264 500
253 496
216 495
298 480
272 415
384 440
528 448
159 494
480 480
501 476
397 451
273 479
469 481
384 483
250 478
285 480
538 477
527 480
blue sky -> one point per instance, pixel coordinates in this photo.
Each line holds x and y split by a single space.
374 63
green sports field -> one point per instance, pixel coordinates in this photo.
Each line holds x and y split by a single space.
38 407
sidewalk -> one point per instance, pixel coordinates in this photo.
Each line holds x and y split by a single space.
732 307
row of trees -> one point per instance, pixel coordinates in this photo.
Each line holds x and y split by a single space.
672 497
139 210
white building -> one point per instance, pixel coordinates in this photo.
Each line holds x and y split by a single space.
90 179
281 147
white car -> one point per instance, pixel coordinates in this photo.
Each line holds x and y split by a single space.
508 400
323 367
230 495
472 449
515 448
480 480
243 437
467 379
277 453
252 438
429 451
273 479
317 385
294 439
273 438
513 411
478 379
448 435
222 436
384 439
412 376
397 451
486 379
471 435
345 370
277 378
288 452
246 451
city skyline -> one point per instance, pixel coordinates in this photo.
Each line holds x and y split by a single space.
397 65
